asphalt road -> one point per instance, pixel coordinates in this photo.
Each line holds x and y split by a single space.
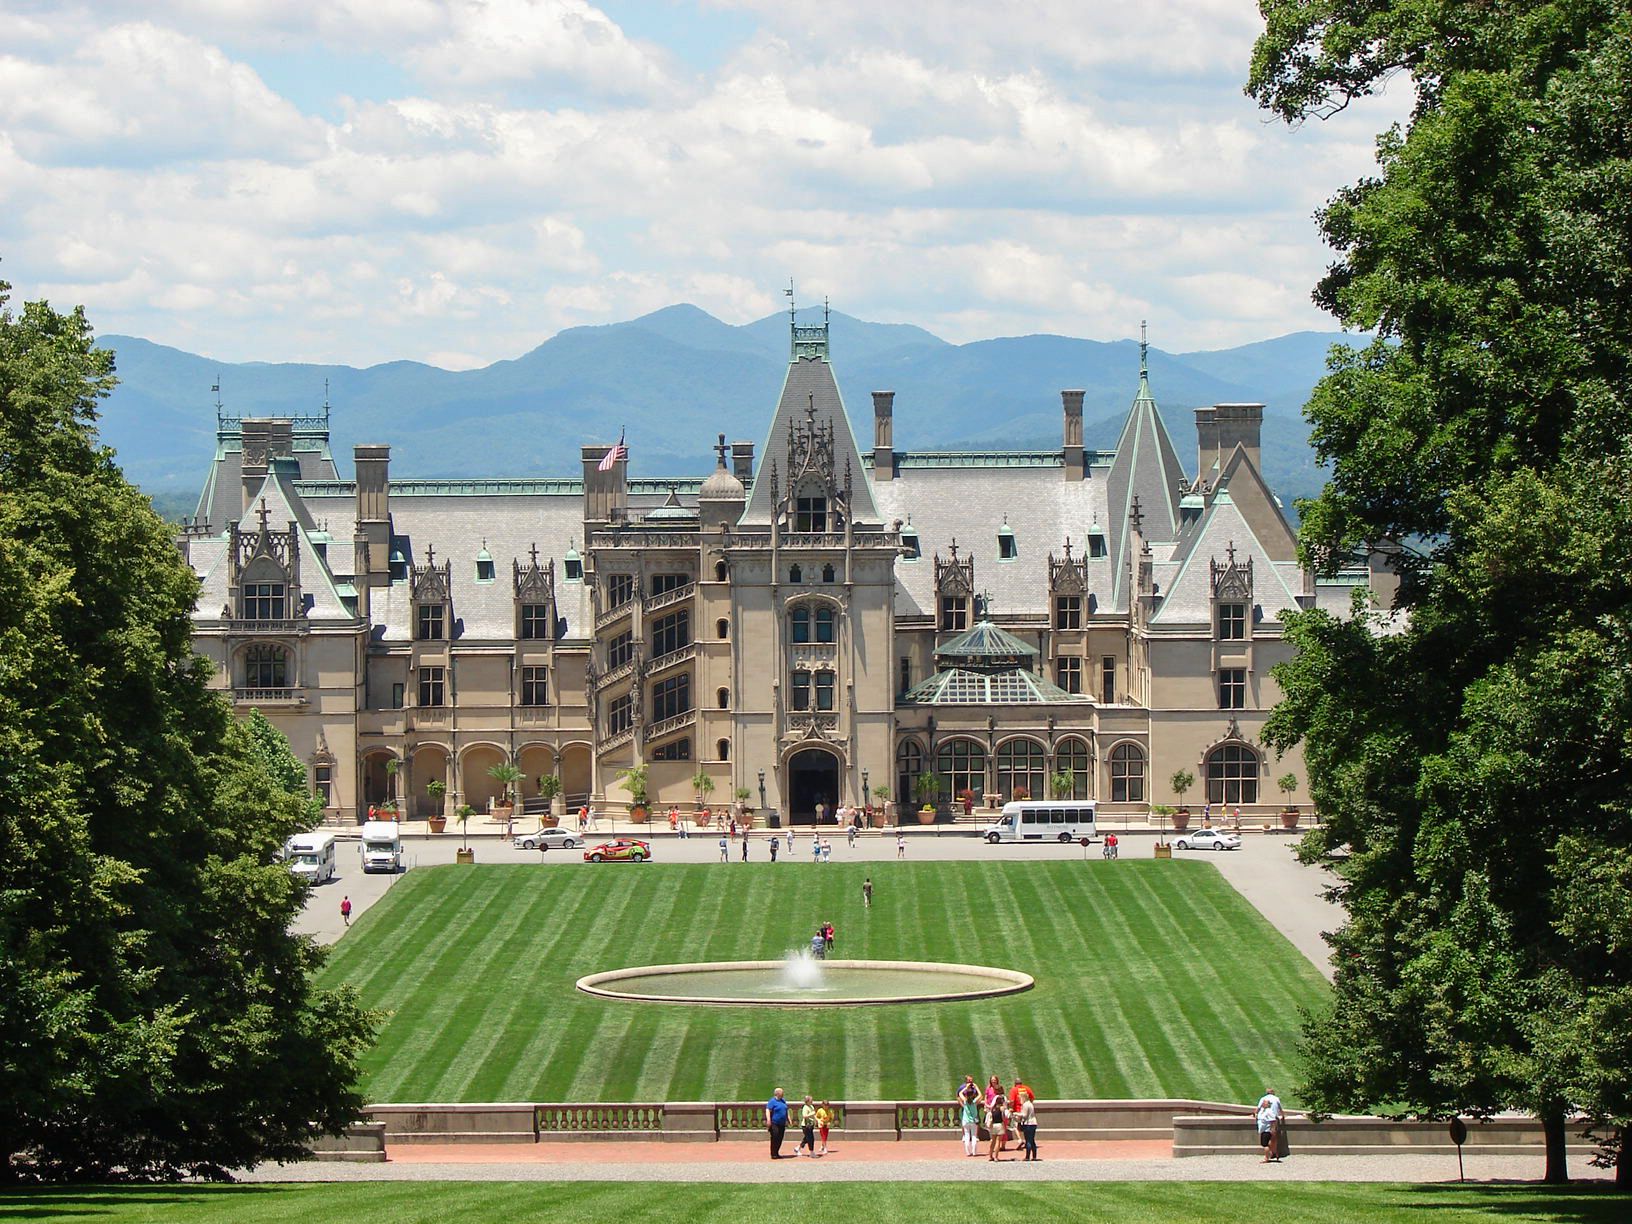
1288 894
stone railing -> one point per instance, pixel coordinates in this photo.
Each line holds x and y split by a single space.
267 626
613 615
268 696
737 1116
679 594
926 1115
618 740
637 536
673 659
621 672
667 725
596 1119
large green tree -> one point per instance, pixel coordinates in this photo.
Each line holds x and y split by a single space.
1470 749
156 1016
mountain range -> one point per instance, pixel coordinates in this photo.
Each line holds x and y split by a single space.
677 377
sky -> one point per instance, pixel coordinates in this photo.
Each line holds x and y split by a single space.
361 181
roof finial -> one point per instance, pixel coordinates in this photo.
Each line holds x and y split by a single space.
430 556
262 513
720 449
1144 348
532 553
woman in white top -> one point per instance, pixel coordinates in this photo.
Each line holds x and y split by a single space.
1028 1126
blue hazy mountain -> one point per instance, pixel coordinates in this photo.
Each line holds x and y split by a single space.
677 377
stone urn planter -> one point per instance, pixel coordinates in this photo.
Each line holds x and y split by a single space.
550 821
438 824
926 815
1289 818
640 813
881 816
1181 819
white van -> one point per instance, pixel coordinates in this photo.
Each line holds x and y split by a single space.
1055 820
382 847
311 857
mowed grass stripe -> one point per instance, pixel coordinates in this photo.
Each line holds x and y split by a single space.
485 960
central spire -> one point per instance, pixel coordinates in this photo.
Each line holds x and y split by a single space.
809 340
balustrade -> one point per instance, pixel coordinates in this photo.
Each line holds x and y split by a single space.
268 696
614 615
569 1119
669 598
924 1115
663 662
667 725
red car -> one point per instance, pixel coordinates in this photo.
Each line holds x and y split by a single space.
618 851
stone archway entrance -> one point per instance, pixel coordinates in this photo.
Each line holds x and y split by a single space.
813 777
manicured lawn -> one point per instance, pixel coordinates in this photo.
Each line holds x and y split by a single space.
1153 980
1038 1203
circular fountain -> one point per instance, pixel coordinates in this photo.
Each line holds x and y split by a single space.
799 980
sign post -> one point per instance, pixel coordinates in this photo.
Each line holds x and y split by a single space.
1459 1136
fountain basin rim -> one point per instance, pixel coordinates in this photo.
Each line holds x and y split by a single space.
1004 982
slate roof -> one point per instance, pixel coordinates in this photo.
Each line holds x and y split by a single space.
810 382
1146 467
1185 580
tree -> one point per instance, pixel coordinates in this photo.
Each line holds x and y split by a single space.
1181 781
703 785
1469 748
1061 785
156 1017
1287 783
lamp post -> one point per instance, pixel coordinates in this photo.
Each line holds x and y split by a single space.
866 795
762 788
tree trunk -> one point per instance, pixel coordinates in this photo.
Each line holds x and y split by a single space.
1623 1166
1552 1126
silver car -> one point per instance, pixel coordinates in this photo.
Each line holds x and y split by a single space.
548 839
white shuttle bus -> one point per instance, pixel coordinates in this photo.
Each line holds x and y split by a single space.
311 857
382 847
1043 820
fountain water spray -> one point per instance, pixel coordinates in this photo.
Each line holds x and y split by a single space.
801 970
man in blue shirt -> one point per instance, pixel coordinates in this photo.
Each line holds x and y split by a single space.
776 1121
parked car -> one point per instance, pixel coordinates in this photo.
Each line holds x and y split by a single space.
1208 839
619 850
548 839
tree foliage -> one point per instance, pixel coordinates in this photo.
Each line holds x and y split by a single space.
156 1017
1472 750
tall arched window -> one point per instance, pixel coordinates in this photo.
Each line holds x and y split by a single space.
1232 775
719 571
722 750
1021 766
963 763
799 619
723 697
1127 774
266 667
824 623
909 763
1071 756
722 628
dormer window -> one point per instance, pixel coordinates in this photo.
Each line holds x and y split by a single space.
399 562
265 601
432 623
484 564
810 514
1096 544
954 612
535 623
572 567
911 550
1232 622
1007 547
1068 612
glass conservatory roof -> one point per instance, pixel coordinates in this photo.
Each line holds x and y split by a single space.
1014 686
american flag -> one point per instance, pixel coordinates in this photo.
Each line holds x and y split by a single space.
620 451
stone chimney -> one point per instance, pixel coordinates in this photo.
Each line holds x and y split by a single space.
1071 401
742 462
373 532
1206 441
264 439
1241 424
606 494
883 435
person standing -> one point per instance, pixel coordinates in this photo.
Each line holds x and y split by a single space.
745 845
824 1122
815 848
850 833
725 851
996 1125
774 844
827 936
807 1126
776 1122
1271 1117
345 910
900 845
1028 1127
968 1106
867 893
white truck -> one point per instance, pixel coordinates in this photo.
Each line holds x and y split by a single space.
311 857
382 847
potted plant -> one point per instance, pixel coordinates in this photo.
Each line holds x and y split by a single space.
462 814
927 787
1288 783
1062 785
703 785
967 798
549 790
1021 793
1181 781
743 794
436 789
634 778
1162 812
879 813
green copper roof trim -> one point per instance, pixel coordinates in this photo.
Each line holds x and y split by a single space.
985 641
499 486
905 460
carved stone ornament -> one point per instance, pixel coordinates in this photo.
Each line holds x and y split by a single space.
1232 579
433 583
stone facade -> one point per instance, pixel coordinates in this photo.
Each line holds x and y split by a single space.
799 630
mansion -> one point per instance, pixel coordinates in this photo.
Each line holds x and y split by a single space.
811 623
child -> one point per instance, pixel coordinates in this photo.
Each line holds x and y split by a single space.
824 1119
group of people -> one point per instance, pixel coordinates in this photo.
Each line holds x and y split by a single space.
815 1122
1008 1117
821 943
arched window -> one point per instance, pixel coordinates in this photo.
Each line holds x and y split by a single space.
1071 756
824 623
795 574
909 763
723 696
1127 774
799 619
827 573
1020 767
1232 775
266 667
963 763
719 571
722 628
722 750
